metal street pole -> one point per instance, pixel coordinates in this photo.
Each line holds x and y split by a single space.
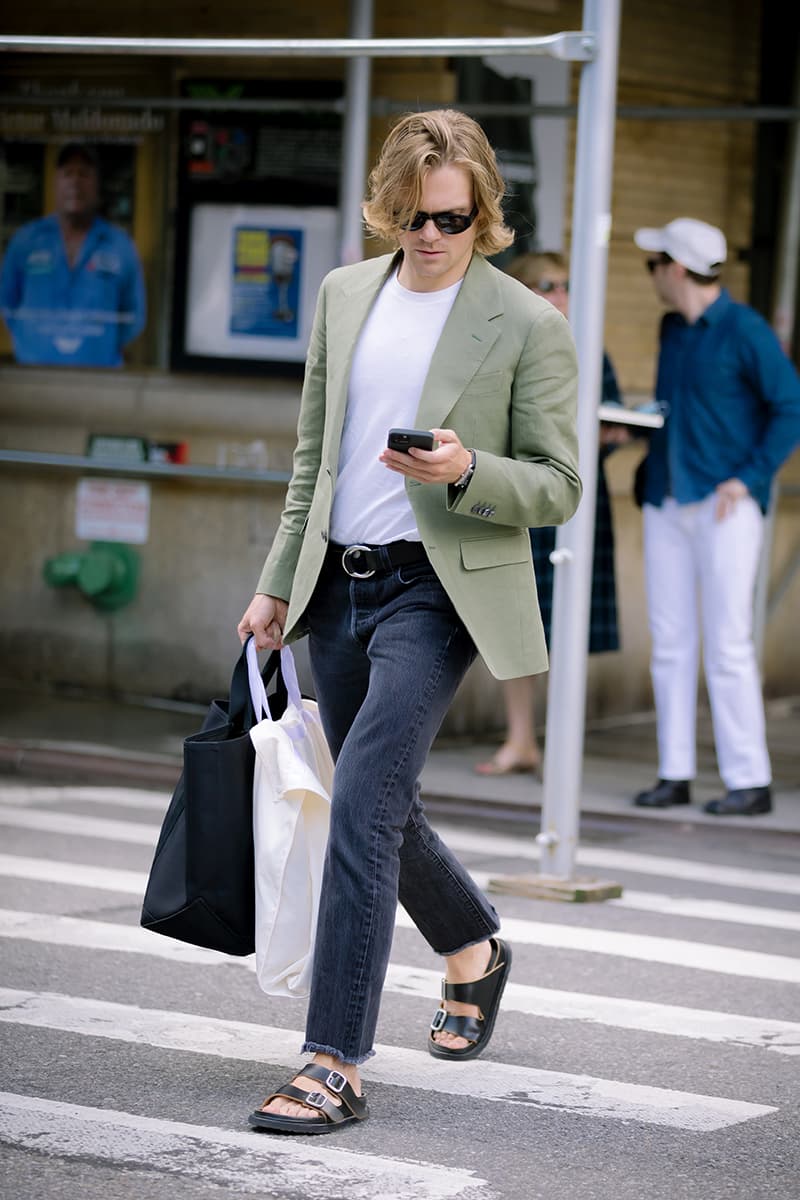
591 222
355 138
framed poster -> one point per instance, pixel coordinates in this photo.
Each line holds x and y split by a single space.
254 274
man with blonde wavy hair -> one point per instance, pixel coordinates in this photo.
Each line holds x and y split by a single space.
400 565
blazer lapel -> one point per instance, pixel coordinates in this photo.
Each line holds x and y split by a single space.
343 329
469 334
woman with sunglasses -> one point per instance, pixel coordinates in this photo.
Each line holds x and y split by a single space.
547 275
401 566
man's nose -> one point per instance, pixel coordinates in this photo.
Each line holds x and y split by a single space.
429 230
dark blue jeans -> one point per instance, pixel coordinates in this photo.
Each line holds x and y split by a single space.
387 655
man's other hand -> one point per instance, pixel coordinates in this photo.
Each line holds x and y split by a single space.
265 619
729 494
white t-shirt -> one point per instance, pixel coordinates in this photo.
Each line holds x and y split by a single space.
390 365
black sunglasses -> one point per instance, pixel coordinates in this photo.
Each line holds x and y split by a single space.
445 222
546 286
661 261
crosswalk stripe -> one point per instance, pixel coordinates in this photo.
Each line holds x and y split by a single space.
708 910
45 870
395 1066
51 870
503 846
702 956
783 1037
237 1160
74 825
688 906
487 844
25 794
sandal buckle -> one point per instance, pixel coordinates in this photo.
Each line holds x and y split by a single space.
315 1100
439 1018
336 1082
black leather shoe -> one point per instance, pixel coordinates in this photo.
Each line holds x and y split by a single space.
741 802
666 793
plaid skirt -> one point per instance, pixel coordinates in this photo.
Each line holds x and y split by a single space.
603 630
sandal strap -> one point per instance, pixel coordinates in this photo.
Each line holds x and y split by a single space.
311 1099
337 1083
470 1028
479 991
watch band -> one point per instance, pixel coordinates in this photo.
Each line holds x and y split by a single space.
464 479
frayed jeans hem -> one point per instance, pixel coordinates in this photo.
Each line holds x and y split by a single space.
318 1048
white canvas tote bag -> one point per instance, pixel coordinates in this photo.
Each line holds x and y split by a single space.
292 786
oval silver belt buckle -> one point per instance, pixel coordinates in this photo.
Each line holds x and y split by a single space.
356 574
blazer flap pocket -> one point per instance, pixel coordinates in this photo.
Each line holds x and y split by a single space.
495 551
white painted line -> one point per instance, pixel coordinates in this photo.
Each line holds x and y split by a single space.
701 956
709 910
78 826
50 870
498 1082
239 1161
491 845
699 1024
104 935
26 794
688 906
620 1013
497 845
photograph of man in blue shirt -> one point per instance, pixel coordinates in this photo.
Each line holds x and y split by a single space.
71 285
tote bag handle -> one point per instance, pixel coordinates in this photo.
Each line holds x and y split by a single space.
258 693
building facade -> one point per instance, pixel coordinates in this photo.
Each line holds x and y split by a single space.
224 174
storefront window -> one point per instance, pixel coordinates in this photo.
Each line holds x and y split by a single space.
257 221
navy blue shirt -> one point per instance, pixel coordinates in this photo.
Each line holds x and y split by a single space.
80 315
731 399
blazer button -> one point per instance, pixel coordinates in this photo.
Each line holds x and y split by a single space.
324 536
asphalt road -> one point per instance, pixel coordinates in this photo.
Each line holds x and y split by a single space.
647 1048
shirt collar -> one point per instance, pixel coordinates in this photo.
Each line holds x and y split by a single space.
716 311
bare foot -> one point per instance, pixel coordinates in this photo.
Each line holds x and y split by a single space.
285 1107
468 965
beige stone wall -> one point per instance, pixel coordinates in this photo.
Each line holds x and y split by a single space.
208 540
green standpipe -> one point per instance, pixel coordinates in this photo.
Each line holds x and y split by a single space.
106 574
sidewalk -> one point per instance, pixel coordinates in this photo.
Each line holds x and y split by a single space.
72 738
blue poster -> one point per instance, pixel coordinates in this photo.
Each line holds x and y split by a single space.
265 296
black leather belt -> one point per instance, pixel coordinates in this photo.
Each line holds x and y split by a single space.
362 562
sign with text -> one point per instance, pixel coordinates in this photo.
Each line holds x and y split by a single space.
254 274
112 510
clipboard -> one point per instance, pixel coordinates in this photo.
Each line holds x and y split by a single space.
618 414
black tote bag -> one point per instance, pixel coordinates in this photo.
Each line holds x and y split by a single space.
201 887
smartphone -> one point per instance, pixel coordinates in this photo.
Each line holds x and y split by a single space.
404 439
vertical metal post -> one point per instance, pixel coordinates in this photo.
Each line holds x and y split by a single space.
591 221
784 312
355 138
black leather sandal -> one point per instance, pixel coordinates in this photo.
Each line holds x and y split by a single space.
486 993
331 1116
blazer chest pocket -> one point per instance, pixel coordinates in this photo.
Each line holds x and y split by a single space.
491 383
478 553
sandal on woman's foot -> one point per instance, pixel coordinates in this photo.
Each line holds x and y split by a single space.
486 993
498 766
330 1115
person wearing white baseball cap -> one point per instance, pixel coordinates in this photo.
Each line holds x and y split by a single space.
697 246
731 401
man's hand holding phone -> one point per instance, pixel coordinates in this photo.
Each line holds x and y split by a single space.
445 464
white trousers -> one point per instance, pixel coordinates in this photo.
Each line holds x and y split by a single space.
689 555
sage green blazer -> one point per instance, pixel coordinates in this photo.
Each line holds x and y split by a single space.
504 377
